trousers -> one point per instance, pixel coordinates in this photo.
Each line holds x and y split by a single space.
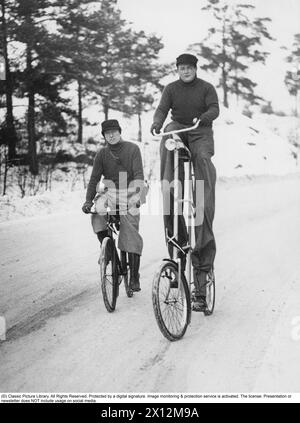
129 239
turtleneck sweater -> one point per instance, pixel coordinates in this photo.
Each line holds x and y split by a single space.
111 162
188 100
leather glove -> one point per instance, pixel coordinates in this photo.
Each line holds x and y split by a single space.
155 127
204 121
86 208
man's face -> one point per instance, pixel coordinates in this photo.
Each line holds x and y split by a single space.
112 136
186 72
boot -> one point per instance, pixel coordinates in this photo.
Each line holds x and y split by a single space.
200 280
134 266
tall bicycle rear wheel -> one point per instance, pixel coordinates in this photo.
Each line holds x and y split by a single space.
109 274
210 293
172 306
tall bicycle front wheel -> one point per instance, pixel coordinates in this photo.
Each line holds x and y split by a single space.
210 293
171 304
109 274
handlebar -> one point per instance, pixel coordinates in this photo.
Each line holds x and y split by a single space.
177 131
110 211
113 212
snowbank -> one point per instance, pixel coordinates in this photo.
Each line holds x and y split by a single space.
245 146
60 201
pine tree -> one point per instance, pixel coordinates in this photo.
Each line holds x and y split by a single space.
8 130
232 44
292 77
35 74
77 52
94 42
142 75
113 41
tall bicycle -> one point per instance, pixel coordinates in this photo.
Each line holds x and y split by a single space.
172 288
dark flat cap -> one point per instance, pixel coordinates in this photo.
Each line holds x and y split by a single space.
186 59
109 124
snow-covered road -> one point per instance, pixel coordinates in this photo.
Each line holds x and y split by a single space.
60 337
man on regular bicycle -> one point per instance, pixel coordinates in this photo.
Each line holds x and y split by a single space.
191 97
119 162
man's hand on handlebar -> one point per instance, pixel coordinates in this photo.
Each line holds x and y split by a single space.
87 206
155 128
204 122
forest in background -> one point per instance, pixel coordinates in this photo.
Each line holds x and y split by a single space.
51 49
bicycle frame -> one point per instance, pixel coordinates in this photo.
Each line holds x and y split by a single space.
175 144
111 214
172 295
113 229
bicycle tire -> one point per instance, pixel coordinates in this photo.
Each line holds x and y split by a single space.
172 309
108 274
124 265
210 293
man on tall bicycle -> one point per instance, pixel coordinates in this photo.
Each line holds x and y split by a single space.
190 97
120 164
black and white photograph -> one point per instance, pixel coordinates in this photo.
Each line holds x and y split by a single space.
149 201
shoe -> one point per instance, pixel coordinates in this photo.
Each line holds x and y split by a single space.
200 304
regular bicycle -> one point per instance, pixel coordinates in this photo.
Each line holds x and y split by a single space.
114 264
172 288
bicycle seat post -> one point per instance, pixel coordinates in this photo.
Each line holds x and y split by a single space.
176 203
189 220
